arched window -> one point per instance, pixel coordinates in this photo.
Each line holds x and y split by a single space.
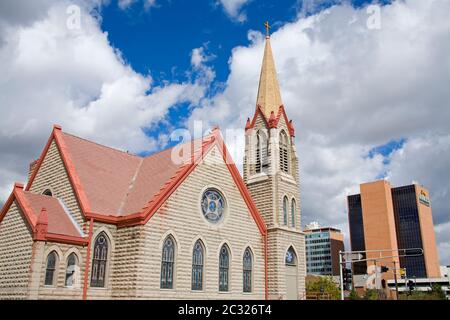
284 155
248 266
197 266
285 210
48 193
293 209
224 266
99 261
72 262
261 152
167 263
52 258
291 257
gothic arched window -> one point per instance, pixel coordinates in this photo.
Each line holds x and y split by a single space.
48 193
197 266
261 163
285 210
72 262
284 154
224 266
99 261
52 258
293 209
168 263
248 266
291 257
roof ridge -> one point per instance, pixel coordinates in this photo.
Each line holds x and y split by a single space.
130 186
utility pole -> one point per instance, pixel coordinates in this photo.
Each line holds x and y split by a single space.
341 275
396 283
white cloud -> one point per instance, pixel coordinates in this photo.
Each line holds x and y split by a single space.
349 89
51 74
233 8
125 4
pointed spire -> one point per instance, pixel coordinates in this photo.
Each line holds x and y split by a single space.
269 96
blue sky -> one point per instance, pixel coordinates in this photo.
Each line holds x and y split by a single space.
161 38
366 103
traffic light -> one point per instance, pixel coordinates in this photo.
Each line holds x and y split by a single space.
347 277
384 269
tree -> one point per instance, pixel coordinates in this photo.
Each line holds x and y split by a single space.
323 285
353 295
436 290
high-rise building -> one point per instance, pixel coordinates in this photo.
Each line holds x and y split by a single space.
322 249
391 219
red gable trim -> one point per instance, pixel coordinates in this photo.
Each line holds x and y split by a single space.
269 123
31 219
68 164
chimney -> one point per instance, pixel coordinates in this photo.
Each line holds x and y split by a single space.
41 227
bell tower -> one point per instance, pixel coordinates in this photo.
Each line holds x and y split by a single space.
271 173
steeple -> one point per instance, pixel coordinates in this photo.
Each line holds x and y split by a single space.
269 97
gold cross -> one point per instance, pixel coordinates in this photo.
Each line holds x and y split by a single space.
267 25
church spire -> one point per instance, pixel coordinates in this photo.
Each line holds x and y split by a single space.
269 97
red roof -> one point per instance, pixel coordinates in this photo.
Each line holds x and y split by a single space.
59 226
117 187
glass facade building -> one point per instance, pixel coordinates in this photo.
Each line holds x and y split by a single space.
407 224
355 218
322 250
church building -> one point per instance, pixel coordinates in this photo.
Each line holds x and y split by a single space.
94 222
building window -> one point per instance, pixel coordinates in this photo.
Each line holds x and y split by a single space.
291 257
197 266
248 265
99 261
293 209
261 163
224 265
285 210
213 205
284 155
72 262
50 269
167 264
48 193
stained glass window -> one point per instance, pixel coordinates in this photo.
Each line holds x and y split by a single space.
224 265
291 257
285 210
167 264
213 205
197 266
70 270
99 261
247 262
293 207
51 267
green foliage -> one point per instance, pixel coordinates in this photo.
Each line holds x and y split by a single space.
436 293
353 295
324 285
371 294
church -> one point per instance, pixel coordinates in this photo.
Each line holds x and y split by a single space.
93 222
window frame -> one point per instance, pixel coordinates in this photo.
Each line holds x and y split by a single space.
247 272
224 269
99 262
74 272
199 267
53 270
167 265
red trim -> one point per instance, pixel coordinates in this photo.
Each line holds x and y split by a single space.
61 238
88 259
73 177
272 122
266 266
7 205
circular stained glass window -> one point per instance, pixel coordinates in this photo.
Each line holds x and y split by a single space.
213 205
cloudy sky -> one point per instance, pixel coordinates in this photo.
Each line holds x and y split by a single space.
369 94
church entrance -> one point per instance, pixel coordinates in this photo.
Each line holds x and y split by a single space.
291 275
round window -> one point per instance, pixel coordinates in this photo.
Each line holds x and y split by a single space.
213 205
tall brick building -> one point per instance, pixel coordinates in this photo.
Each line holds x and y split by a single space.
93 222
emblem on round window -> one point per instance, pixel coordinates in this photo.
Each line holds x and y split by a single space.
213 205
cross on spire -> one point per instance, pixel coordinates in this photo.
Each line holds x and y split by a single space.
267 25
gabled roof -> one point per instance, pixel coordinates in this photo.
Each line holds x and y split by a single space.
59 226
117 187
